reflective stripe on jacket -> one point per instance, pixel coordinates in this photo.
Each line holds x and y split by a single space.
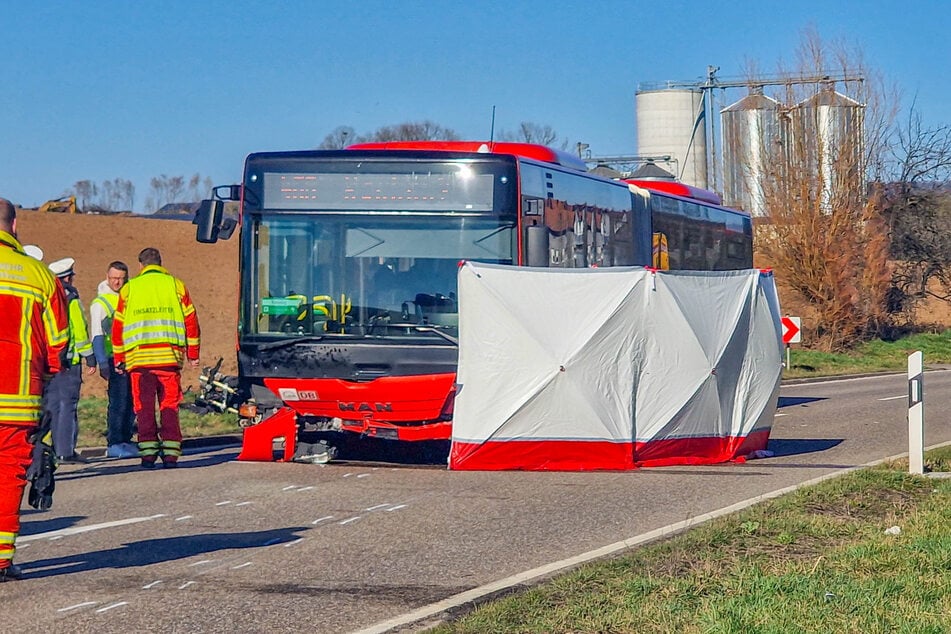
33 331
80 345
155 323
103 308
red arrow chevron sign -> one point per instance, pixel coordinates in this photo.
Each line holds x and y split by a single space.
792 329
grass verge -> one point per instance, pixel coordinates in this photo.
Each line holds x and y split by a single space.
873 356
817 560
92 423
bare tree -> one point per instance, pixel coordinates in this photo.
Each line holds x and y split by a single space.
115 195
529 132
413 131
918 209
825 235
339 138
164 190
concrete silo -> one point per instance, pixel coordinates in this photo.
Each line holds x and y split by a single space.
670 121
751 131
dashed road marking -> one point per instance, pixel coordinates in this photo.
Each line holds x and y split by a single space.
242 503
149 586
321 519
114 605
200 563
396 508
183 517
77 606
185 585
304 489
247 563
296 541
349 520
222 503
76 530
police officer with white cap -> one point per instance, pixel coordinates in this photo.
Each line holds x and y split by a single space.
62 394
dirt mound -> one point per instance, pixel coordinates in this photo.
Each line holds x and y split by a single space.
210 271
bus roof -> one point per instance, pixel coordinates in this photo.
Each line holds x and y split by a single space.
523 150
677 189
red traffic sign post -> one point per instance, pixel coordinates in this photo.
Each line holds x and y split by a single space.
792 333
792 330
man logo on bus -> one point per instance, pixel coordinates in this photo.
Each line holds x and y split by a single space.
364 407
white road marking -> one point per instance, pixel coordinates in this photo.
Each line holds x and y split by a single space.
242 503
363 475
149 586
222 503
290 486
778 415
893 398
318 521
201 563
349 520
76 530
185 585
296 541
55 537
396 508
183 517
304 489
247 563
114 605
78 605
378 506
347 475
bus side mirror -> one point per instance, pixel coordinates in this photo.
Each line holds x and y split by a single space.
536 246
208 219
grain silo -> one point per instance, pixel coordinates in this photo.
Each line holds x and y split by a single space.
828 131
670 121
751 131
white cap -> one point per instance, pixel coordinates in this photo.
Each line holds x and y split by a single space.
33 251
62 268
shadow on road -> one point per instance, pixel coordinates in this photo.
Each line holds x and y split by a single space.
355 448
153 551
795 446
35 527
116 466
791 401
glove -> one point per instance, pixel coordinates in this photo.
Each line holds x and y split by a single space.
40 474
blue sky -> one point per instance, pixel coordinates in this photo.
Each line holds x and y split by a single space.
102 90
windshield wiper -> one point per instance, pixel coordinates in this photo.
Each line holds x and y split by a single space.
436 331
274 345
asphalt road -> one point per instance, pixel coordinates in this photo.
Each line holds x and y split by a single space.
223 546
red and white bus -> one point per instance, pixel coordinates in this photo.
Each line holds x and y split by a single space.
348 317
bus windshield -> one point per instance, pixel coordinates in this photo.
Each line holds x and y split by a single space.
363 275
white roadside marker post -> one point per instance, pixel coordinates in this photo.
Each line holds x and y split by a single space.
916 415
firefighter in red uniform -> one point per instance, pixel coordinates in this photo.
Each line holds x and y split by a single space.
33 333
154 329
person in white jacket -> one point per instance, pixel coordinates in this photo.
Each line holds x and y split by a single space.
120 418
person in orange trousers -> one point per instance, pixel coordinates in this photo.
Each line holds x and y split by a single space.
33 334
154 330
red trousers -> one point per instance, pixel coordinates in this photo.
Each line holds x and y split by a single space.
15 452
165 386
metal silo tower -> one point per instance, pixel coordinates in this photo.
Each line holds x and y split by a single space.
751 129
